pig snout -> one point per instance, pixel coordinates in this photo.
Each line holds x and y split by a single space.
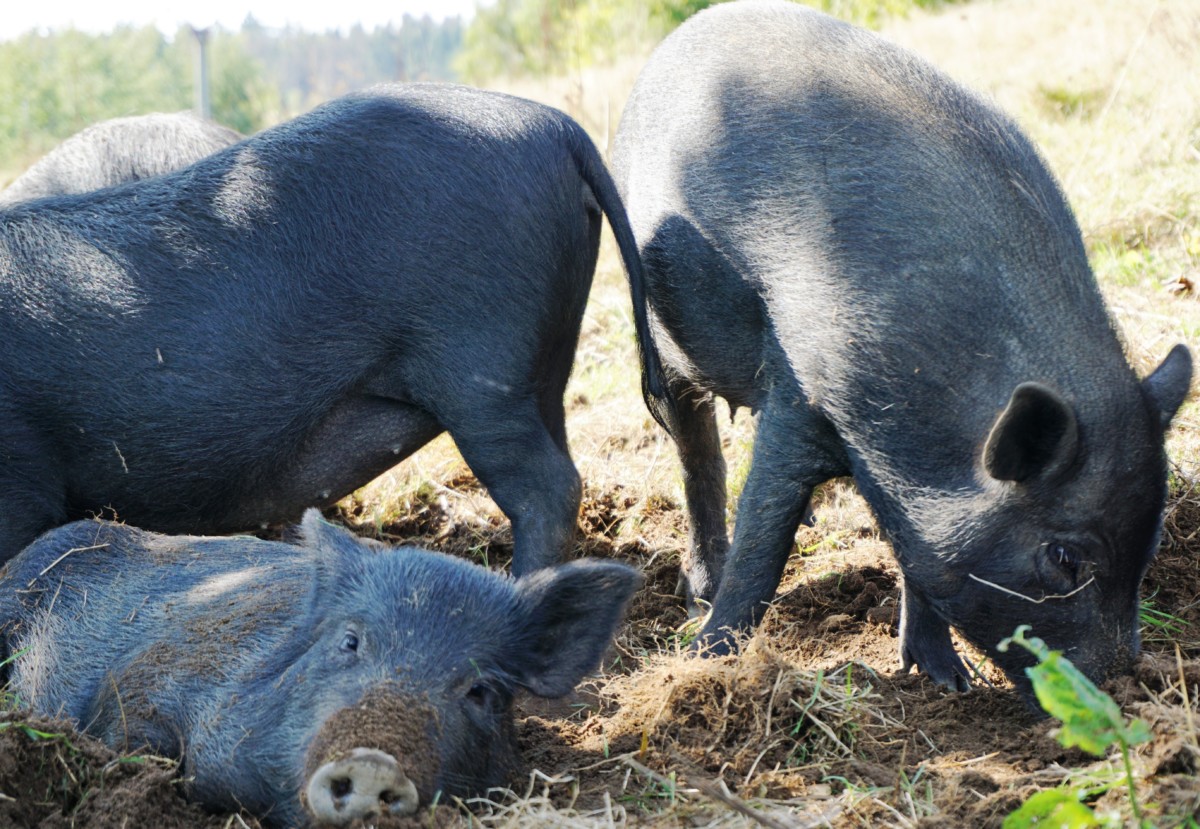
364 783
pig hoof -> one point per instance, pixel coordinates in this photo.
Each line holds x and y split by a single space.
368 782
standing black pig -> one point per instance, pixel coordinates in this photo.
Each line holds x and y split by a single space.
878 263
329 679
273 326
120 150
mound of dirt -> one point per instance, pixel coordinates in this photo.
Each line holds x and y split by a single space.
54 778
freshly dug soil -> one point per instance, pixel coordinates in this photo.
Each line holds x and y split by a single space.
813 707
53 778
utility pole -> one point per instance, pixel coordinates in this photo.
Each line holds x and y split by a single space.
203 105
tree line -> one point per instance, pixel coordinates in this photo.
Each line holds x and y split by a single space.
53 84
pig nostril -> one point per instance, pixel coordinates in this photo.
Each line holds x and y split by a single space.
341 789
401 801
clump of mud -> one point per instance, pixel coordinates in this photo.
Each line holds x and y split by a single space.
51 777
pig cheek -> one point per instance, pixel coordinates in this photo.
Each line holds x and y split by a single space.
985 616
485 753
403 725
1102 639
1084 628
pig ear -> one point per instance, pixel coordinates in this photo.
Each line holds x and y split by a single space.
315 531
1036 435
568 615
335 551
1168 385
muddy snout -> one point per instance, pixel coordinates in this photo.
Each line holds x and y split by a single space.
364 783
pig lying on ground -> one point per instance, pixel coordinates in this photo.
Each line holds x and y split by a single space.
332 678
878 263
275 325
120 150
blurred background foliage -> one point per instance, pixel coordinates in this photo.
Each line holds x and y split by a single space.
55 83
541 37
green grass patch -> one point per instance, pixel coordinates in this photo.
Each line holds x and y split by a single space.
1062 102
1131 266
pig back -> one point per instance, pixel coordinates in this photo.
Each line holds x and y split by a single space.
98 604
914 255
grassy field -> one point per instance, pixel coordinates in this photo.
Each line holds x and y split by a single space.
813 725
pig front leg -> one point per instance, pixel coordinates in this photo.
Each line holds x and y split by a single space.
925 642
795 449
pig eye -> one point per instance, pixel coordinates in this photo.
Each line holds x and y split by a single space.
1063 568
1064 557
349 642
481 694
487 698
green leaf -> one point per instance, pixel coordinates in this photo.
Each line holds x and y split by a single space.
1058 808
34 734
1090 718
1137 732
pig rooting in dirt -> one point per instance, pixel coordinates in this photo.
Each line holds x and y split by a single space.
877 262
311 682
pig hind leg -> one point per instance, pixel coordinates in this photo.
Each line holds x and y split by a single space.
528 472
710 326
699 445
27 512
514 437
35 497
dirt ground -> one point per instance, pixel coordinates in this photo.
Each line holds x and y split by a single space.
812 725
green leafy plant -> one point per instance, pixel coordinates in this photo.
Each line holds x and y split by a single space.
1091 720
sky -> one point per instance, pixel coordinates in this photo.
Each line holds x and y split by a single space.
20 16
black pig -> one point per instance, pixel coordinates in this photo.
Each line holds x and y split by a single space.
879 264
119 150
273 326
331 679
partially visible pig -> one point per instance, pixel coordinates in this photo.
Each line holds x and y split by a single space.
120 150
329 679
271 327
876 261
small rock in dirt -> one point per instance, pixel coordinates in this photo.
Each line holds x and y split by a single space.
873 773
1172 756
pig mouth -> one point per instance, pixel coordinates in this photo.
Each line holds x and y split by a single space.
365 783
